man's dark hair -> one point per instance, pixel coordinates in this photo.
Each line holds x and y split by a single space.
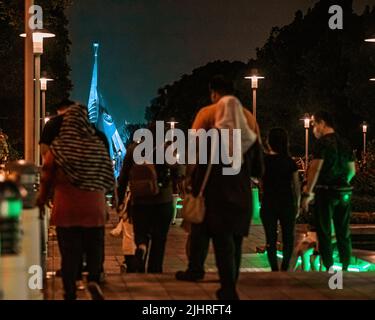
325 116
64 104
221 85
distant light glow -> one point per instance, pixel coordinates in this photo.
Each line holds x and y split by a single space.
307 123
46 119
372 79
370 40
43 83
254 80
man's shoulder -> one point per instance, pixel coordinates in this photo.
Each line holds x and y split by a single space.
207 109
204 116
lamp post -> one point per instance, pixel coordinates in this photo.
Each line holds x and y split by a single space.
43 88
364 131
306 121
372 39
254 86
172 122
37 37
29 86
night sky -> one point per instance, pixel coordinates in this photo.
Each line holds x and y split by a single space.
146 44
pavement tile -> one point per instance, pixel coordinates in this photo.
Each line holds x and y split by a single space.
251 285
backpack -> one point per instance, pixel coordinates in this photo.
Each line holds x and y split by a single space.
143 180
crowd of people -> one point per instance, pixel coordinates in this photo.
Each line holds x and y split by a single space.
77 173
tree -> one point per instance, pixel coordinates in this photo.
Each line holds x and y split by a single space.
54 61
186 96
307 67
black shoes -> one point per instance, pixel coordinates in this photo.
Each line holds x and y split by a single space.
189 276
227 295
95 291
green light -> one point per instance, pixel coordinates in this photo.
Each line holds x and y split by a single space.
256 206
11 208
346 197
361 266
15 208
179 204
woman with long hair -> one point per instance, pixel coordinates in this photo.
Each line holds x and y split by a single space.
281 197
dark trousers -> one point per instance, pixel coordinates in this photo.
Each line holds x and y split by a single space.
151 222
270 216
228 248
73 243
333 205
199 242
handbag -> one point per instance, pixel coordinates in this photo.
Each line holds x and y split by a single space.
123 214
194 208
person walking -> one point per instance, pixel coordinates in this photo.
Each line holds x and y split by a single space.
78 169
281 197
227 197
328 184
151 213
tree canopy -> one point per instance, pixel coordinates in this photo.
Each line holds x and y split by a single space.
53 61
307 66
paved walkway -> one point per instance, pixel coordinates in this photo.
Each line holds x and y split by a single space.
256 282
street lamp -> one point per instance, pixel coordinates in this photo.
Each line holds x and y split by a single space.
370 39
372 79
38 37
254 85
364 131
307 122
43 88
172 122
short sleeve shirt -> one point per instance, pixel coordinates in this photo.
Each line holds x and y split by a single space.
336 155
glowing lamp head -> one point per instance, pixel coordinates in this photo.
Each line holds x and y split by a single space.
172 123
372 39
43 83
364 127
307 121
38 37
254 78
46 119
372 79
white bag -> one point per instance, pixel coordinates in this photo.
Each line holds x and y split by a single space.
117 231
194 208
128 243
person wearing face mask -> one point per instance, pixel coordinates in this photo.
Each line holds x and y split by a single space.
328 184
